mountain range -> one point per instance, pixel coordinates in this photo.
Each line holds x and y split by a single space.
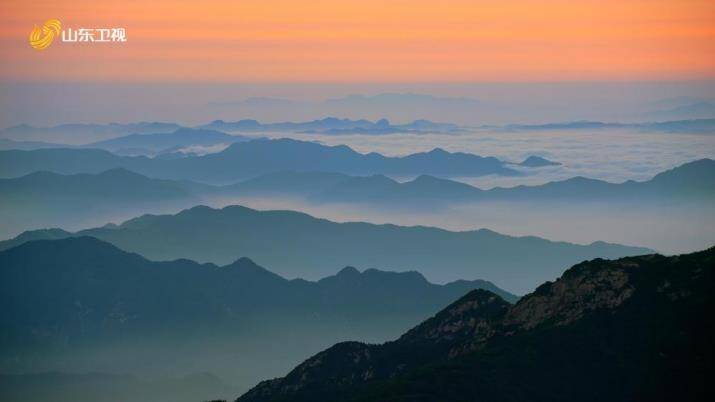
693 126
77 299
537 161
243 160
463 110
398 106
150 144
114 185
294 244
693 180
49 283
77 134
45 199
335 126
633 329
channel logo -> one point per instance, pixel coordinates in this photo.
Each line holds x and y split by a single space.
41 38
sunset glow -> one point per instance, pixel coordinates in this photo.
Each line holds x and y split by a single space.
356 41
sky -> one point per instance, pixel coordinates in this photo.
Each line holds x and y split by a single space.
524 61
365 41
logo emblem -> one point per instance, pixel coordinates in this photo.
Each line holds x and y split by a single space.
41 38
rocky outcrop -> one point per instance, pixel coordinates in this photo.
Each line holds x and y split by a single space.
638 317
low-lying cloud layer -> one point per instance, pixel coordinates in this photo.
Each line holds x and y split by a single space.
611 155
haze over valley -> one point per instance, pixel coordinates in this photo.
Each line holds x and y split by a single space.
358 201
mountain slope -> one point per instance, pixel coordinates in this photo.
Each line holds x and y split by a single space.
110 185
296 244
83 305
183 293
624 330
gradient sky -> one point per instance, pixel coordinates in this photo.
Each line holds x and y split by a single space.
366 41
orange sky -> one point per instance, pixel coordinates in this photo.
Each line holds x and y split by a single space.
366 41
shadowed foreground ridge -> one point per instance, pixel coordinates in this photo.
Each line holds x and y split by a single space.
636 328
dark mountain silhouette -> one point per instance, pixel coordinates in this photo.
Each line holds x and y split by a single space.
253 158
431 126
537 161
328 123
182 293
379 190
43 199
398 106
16 163
108 186
298 245
80 304
335 126
692 179
688 118
101 133
626 330
154 143
695 180
46 199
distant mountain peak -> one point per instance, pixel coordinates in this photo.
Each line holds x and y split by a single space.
411 275
245 262
428 178
246 266
348 271
537 161
438 151
88 247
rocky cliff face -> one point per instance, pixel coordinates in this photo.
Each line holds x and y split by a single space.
636 328
586 287
352 364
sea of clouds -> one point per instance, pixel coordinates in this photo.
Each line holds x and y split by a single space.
611 155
